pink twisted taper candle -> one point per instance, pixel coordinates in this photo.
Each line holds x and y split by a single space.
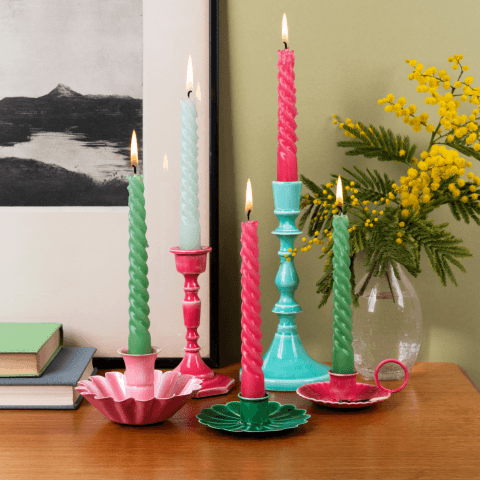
253 382
287 110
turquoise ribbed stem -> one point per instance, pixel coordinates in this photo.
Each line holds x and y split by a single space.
342 359
189 214
139 341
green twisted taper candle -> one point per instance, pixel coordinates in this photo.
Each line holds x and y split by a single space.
139 341
342 361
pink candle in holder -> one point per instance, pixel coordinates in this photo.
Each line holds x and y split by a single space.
253 382
287 110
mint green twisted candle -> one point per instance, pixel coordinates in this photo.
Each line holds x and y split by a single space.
342 361
139 341
189 214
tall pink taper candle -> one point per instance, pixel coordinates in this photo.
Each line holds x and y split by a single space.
253 382
287 110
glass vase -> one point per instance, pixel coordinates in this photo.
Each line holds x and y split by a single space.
387 324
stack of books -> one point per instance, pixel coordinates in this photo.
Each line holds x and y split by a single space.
37 371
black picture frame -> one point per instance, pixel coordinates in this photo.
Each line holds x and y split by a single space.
213 360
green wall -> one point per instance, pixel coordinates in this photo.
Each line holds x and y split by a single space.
348 55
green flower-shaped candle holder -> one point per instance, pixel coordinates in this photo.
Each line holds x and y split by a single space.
252 415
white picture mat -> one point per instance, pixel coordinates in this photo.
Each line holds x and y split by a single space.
70 264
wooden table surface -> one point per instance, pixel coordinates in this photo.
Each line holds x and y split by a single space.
430 430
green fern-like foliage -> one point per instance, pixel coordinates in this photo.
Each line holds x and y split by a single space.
380 240
391 222
381 144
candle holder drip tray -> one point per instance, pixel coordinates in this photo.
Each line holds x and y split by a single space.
253 415
142 395
343 391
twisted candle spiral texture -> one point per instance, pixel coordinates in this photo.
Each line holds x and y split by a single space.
189 214
253 382
342 312
139 341
287 149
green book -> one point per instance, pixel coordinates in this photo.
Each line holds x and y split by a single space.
26 349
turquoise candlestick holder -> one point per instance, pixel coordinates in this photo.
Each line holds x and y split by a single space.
287 365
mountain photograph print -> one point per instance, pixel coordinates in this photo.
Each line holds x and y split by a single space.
70 98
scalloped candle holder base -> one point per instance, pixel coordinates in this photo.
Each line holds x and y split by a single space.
252 415
343 391
217 385
143 395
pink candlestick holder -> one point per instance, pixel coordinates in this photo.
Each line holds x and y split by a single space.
191 263
343 391
142 395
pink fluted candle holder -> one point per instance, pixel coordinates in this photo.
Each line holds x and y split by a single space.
343 391
191 263
141 396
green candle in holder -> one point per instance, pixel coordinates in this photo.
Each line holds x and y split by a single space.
139 341
342 359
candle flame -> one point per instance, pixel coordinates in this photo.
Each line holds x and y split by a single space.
198 93
189 74
284 29
134 150
249 197
165 162
339 193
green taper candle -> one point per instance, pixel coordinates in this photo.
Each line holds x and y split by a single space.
139 341
342 361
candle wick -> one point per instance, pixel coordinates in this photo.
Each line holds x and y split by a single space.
248 215
285 43
340 209
189 92
134 169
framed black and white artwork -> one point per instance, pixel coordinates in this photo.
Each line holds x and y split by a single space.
77 77
71 95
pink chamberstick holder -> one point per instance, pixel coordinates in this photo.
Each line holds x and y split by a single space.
191 263
343 391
